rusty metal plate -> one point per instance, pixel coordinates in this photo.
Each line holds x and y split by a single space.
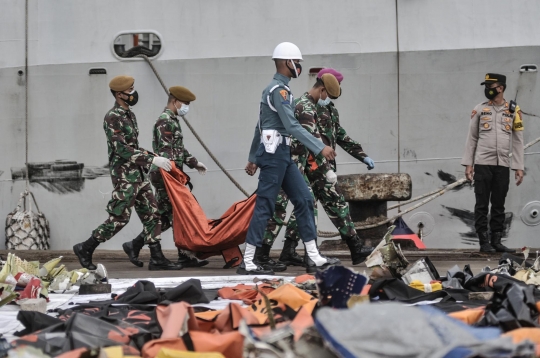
387 187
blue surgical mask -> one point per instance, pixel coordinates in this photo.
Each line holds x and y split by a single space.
324 102
183 110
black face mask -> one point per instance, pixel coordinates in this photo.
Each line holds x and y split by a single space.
132 99
490 93
293 72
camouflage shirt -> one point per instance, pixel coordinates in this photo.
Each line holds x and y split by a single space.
126 160
306 113
333 133
168 140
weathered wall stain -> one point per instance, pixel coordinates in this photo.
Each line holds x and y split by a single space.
409 153
449 179
60 176
467 217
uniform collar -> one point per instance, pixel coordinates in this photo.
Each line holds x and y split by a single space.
169 112
119 108
279 77
310 97
499 107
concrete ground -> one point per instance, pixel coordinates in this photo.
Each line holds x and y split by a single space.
118 265
124 269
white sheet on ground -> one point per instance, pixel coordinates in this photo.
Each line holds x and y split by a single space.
8 314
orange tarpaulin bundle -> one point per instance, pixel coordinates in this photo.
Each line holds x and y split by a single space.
195 232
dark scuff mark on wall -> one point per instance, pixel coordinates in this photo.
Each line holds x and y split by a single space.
426 173
467 217
449 179
60 176
94 172
409 153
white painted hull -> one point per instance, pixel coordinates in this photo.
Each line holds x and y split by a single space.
221 51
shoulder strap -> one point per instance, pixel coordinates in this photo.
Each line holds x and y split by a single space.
269 101
270 93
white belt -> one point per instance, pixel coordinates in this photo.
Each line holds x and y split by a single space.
287 140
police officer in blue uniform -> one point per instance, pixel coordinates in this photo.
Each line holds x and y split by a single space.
270 151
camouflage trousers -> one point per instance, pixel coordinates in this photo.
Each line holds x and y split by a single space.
164 203
332 201
275 223
125 196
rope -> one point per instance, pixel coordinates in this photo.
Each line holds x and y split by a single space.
530 144
26 92
432 195
415 199
194 132
328 234
530 114
398 95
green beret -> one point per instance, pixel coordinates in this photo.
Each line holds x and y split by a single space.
121 83
331 84
182 94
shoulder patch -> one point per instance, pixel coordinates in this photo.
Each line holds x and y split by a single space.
473 113
284 94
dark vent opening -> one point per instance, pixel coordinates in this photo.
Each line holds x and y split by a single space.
97 71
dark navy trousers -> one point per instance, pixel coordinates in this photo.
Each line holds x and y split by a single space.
491 183
279 171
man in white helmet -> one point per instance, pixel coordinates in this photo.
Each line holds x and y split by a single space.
271 152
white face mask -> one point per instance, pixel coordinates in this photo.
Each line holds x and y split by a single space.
183 110
324 102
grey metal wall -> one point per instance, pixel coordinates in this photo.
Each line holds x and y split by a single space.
226 63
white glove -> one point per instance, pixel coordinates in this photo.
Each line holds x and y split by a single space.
201 168
162 162
331 176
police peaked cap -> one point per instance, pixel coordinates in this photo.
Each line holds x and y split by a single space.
182 94
494 77
121 83
331 84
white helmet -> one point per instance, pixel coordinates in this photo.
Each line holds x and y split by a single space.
287 51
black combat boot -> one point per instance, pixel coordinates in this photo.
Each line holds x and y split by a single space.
241 270
496 243
186 260
158 261
251 268
84 252
359 252
289 256
312 253
132 249
262 258
484 242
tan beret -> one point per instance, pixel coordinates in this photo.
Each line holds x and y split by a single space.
331 84
121 83
182 94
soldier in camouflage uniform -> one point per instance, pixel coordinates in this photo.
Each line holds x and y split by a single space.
306 113
326 192
168 142
128 164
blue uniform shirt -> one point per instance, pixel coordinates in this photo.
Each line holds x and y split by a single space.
283 120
